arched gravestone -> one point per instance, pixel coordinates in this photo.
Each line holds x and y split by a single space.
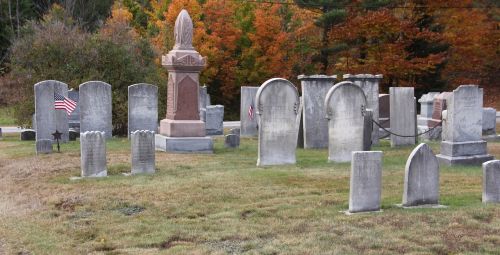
491 181
278 106
93 154
345 103
142 107
421 185
143 151
47 118
95 107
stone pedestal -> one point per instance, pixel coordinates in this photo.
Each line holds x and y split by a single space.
184 144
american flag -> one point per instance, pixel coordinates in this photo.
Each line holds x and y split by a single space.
64 103
250 111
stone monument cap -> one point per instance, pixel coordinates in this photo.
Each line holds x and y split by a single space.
316 77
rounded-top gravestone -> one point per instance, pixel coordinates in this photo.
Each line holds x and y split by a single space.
142 107
95 107
47 118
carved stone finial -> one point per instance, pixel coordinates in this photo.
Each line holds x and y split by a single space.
183 31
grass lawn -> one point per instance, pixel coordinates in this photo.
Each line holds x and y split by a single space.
224 204
7 116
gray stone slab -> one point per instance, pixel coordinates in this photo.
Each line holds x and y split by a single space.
248 122
384 104
234 131
369 83
93 154
184 144
489 121
203 98
278 106
43 146
421 183
232 141
28 135
403 116
427 104
315 125
491 181
366 181
47 118
73 134
142 107
463 148
95 107
463 120
142 144
345 103
214 120
367 130
74 118
463 160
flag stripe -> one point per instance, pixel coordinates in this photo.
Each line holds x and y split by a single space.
64 103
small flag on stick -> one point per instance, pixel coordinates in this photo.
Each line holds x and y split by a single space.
250 112
64 103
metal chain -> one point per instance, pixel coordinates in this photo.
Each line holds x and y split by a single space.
419 134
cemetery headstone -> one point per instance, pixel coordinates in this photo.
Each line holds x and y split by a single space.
234 131
421 183
315 125
462 128
93 154
278 106
28 135
384 110
403 116
367 129
424 120
143 151
47 118
74 117
214 120
232 141
248 118
300 136
95 107
73 134
369 83
142 107
491 181
490 124
345 104
366 181
43 146
182 131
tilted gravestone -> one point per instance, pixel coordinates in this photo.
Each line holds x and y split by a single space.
315 125
369 83
95 107
232 141
421 183
43 146
278 106
143 151
366 181
142 107
214 120
462 128
491 181
345 104
403 116
28 135
47 118
248 118
93 154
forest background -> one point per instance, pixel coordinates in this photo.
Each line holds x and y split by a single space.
432 45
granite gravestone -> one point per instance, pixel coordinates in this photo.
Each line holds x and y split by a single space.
403 116
43 146
28 135
234 131
278 107
315 125
490 124
74 117
73 134
95 107
182 131
47 118
93 154
421 183
384 111
143 151
366 181
248 118
462 128
345 104
424 120
491 181
232 141
439 105
214 120
369 83
142 107
367 129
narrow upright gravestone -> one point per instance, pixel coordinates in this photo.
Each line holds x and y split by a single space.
95 107
93 154
369 83
491 181
232 141
142 107
278 106
47 118
403 116
490 124
384 111
366 181
367 129
248 118
315 129
421 184
43 146
143 151
214 120
462 128
345 103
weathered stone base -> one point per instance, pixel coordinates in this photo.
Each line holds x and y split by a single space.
184 144
427 206
463 160
491 138
463 153
182 128
363 212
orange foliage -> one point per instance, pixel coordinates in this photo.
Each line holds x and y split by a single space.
117 27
